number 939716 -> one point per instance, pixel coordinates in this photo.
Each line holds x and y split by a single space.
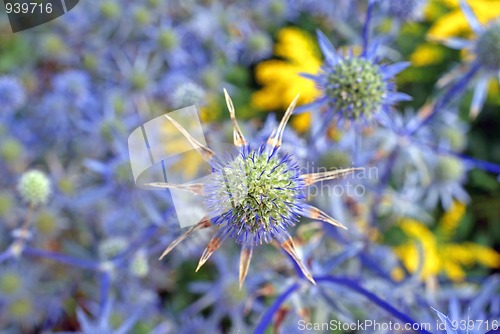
28 8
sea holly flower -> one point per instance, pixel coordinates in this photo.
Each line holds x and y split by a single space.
472 312
356 87
255 196
486 50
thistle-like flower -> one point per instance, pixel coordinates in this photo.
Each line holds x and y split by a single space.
255 196
486 49
356 87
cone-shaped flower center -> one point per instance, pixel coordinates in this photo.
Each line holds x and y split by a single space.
356 87
488 46
255 194
449 169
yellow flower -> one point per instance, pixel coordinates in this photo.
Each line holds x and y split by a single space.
455 23
440 254
281 78
427 54
452 24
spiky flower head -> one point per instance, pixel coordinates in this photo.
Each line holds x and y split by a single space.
254 196
487 46
187 94
34 187
263 193
355 87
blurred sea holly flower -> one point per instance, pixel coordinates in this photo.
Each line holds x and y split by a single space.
12 95
223 294
74 85
23 295
485 49
356 87
254 196
404 10
448 175
102 323
171 40
281 78
476 312
187 94
431 253
456 22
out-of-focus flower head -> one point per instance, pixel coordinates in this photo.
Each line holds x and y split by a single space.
447 182
102 322
477 314
356 87
74 85
486 50
12 95
455 22
187 94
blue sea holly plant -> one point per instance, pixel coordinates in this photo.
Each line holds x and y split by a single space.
486 63
255 196
356 87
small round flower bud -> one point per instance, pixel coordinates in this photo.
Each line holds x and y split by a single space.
167 39
5 204
21 309
449 169
10 150
34 187
110 9
10 283
187 94
139 265
111 247
142 16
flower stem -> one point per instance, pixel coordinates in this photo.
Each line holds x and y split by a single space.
372 297
268 315
69 260
446 98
